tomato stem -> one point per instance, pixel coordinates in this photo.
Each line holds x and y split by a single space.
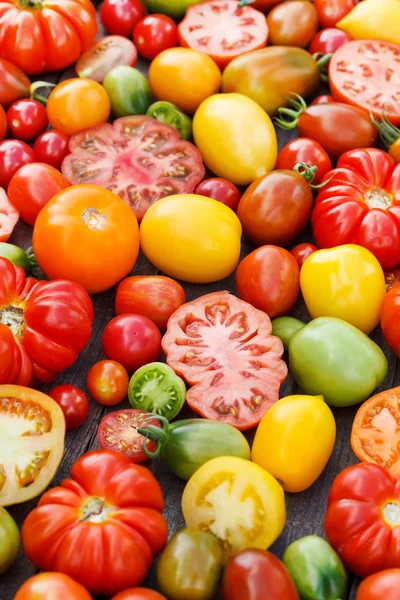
388 132
32 258
298 105
306 171
155 434
323 61
36 86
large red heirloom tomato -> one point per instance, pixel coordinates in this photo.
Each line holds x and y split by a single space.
43 325
102 527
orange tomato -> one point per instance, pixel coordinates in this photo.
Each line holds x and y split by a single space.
88 235
47 586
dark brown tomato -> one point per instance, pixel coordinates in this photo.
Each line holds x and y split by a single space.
293 23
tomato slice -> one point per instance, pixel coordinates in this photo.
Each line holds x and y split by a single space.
8 217
32 431
137 158
366 73
223 30
106 53
224 348
392 278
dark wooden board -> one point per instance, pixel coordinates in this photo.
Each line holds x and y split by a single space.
305 511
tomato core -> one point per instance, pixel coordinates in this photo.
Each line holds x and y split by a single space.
391 513
13 318
96 511
93 219
376 197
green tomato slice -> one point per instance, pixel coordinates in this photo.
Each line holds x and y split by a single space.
157 389
168 113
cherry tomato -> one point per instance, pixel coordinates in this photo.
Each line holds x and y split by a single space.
292 24
155 33
107 382
26 118
51 147
385 584
120 16
3 123
138 594
302 251
323 99
132 340
73 403
328 40
13 155
220 189
331 12
308 151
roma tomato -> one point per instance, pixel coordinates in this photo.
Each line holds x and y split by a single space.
8 217
389 318
380 585
73 403
14 84
328 40
107 382
120 16
78 231
55 33
220 189
132 340
3 123
152 296
13 155
293 24
46 586
32 186
331 11
26 119
107 504
106 53
309 153
155 33
268 278
51 148
139 594
302 251
10 540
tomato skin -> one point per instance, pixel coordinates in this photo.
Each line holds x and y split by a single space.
74 404
305 150
26 118
14 84
389 318
10 217
13 155
155 33
51 147
107 382
328 40
221 190
323 99
120 16
293 24
331 12
10 540
45 586
139 594
302 251
380 585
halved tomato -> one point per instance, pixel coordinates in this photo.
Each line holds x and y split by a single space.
392 278
223 347
8 216
106 53
32 431
138 158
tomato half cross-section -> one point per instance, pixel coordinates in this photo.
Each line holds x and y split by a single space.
32 431
223 347
138 158
103 526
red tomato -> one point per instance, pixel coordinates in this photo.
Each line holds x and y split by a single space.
390 318
257 575
74 404
155 33
105 54
14 84
302 252
275 208
292 24
268 278
27 118
8 217
3 123
220 189
13 155
265 5
152 296
139 594
385 584
107 382
331 12
359 74
132 340
361 205
120 16
32 186
47 586
52 147
234 381
118 431
327 41
223 30
102 527
323 99
305 150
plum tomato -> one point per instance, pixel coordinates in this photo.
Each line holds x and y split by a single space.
13 155
292 24
120 16
74 404
51 147
138 594
163 163
106 53
302 251
107 382
3 123
269 279
10 540
308 152
47 586
8 217
328 40
331 12
132 340
153 296
26 119
221 190
155 33
323 99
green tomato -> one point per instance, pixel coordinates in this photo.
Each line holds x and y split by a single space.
10 540
157 389
168 113
186 445
316 569
190 566
128 90
173 8
17 256
331 358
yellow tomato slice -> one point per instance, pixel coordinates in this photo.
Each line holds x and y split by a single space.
32 432
237 501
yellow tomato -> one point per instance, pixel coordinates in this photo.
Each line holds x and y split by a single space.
192 238
184 77
346 282
77 104
373 20
235 137
294 441
237 501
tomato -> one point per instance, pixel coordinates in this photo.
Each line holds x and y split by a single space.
229 385
118 431
13 155
265 5
32 186
105 156
17 256
245 505
139 594
392 278
389 318
328 40
120 16
173 8
293 24
51 147
77 233
373 21
103 55
107 516
192 238
184 77
132 340
26 119
8 217
155 33
380 585
255 574
55 33
77 104
268 278
323 99
220 189
128 90
107 382
360 204
308 152
302 251
73 403
3 123
14 84
331 11
168 113
10 540
360 74
223 30
45 586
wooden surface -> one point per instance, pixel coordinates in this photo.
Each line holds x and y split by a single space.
305 511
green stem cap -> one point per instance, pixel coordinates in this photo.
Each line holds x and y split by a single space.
298 106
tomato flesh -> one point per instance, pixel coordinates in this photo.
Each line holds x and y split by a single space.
109 52
9 216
